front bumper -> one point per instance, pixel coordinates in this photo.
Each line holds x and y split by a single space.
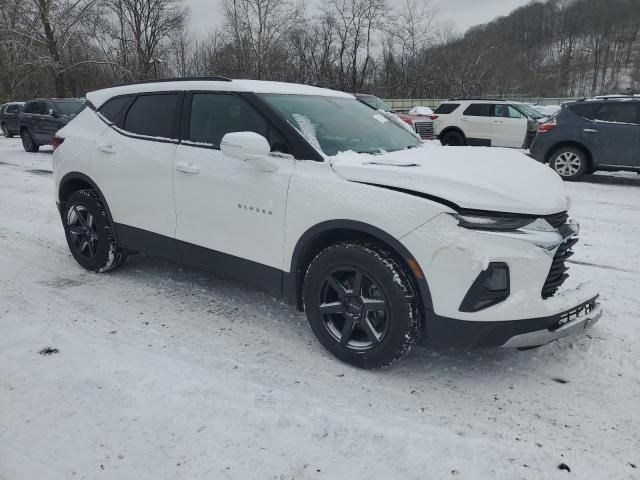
524 333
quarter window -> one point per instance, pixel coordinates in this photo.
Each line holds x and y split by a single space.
153 115
215 115
619 112
113 110
447 108
478 110
13 109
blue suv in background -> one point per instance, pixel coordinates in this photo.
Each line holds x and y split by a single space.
602 133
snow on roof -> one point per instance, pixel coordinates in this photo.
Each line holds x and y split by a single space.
256 86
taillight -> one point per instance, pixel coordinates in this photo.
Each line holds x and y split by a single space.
56 142
433 117
546 127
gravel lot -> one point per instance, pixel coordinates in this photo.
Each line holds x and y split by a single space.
163 372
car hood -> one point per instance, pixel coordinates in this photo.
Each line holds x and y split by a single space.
492 179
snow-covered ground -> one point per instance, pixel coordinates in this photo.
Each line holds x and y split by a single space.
166 373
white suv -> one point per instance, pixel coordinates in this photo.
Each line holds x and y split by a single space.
487 123
310 194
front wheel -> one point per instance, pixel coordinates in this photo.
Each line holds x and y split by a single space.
28 143
361 305
89 232
569 162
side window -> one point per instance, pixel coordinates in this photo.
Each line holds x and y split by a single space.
619 112
446 108
478 110
153 115
215 115
506 111
586 110
28 108
113 110
38 108
13 109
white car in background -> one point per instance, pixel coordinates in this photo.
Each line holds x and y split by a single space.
309 194
488 123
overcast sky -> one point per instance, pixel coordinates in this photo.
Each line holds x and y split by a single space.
206 14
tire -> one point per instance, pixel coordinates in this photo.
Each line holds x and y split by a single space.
374 328
569 162
453 139
28 143
89 232
6 132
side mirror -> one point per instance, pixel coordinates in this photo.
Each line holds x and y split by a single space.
249 147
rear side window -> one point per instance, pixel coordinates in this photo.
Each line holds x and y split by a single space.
446 108
153 115
478 110
13 109
114 110
618 112
585 110
215 115
34 107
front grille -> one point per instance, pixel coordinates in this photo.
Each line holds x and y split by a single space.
426 130
558 272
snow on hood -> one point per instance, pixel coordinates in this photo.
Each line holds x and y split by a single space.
493 179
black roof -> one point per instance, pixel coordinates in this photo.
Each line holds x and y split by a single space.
215 78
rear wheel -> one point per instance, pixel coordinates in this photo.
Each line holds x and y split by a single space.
569 162
89 232
453 139
5 131
361 305
28 143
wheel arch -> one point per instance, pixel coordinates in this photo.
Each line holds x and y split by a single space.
74 181
324 234
573 144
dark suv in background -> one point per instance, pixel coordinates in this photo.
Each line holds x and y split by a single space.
9 118
601 133
43 117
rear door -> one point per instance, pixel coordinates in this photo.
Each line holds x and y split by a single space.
614 136
133 164
11 116
476 123
509 126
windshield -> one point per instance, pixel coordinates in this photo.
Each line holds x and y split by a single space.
70 107
336 125
375 102
529 111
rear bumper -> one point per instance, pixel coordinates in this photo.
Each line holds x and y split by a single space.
514 333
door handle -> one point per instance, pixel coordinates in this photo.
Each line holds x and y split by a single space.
106 148
497 121
590 130
187 167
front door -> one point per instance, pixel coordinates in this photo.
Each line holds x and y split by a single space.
509 126
614 137
223 204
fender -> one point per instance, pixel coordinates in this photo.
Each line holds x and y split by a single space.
292 282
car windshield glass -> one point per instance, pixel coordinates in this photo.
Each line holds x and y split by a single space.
529 111
375 102
70 107
335 125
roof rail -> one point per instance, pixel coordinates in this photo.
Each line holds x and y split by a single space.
477 98
215 78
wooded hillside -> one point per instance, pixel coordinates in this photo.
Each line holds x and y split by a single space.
552 48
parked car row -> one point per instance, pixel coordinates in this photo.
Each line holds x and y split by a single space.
312 195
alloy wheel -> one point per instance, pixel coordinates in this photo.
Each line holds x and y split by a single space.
83 231
354 309
26 141
567 164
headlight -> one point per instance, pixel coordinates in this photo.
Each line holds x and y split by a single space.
503 223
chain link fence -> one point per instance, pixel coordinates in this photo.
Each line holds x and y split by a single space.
405 104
